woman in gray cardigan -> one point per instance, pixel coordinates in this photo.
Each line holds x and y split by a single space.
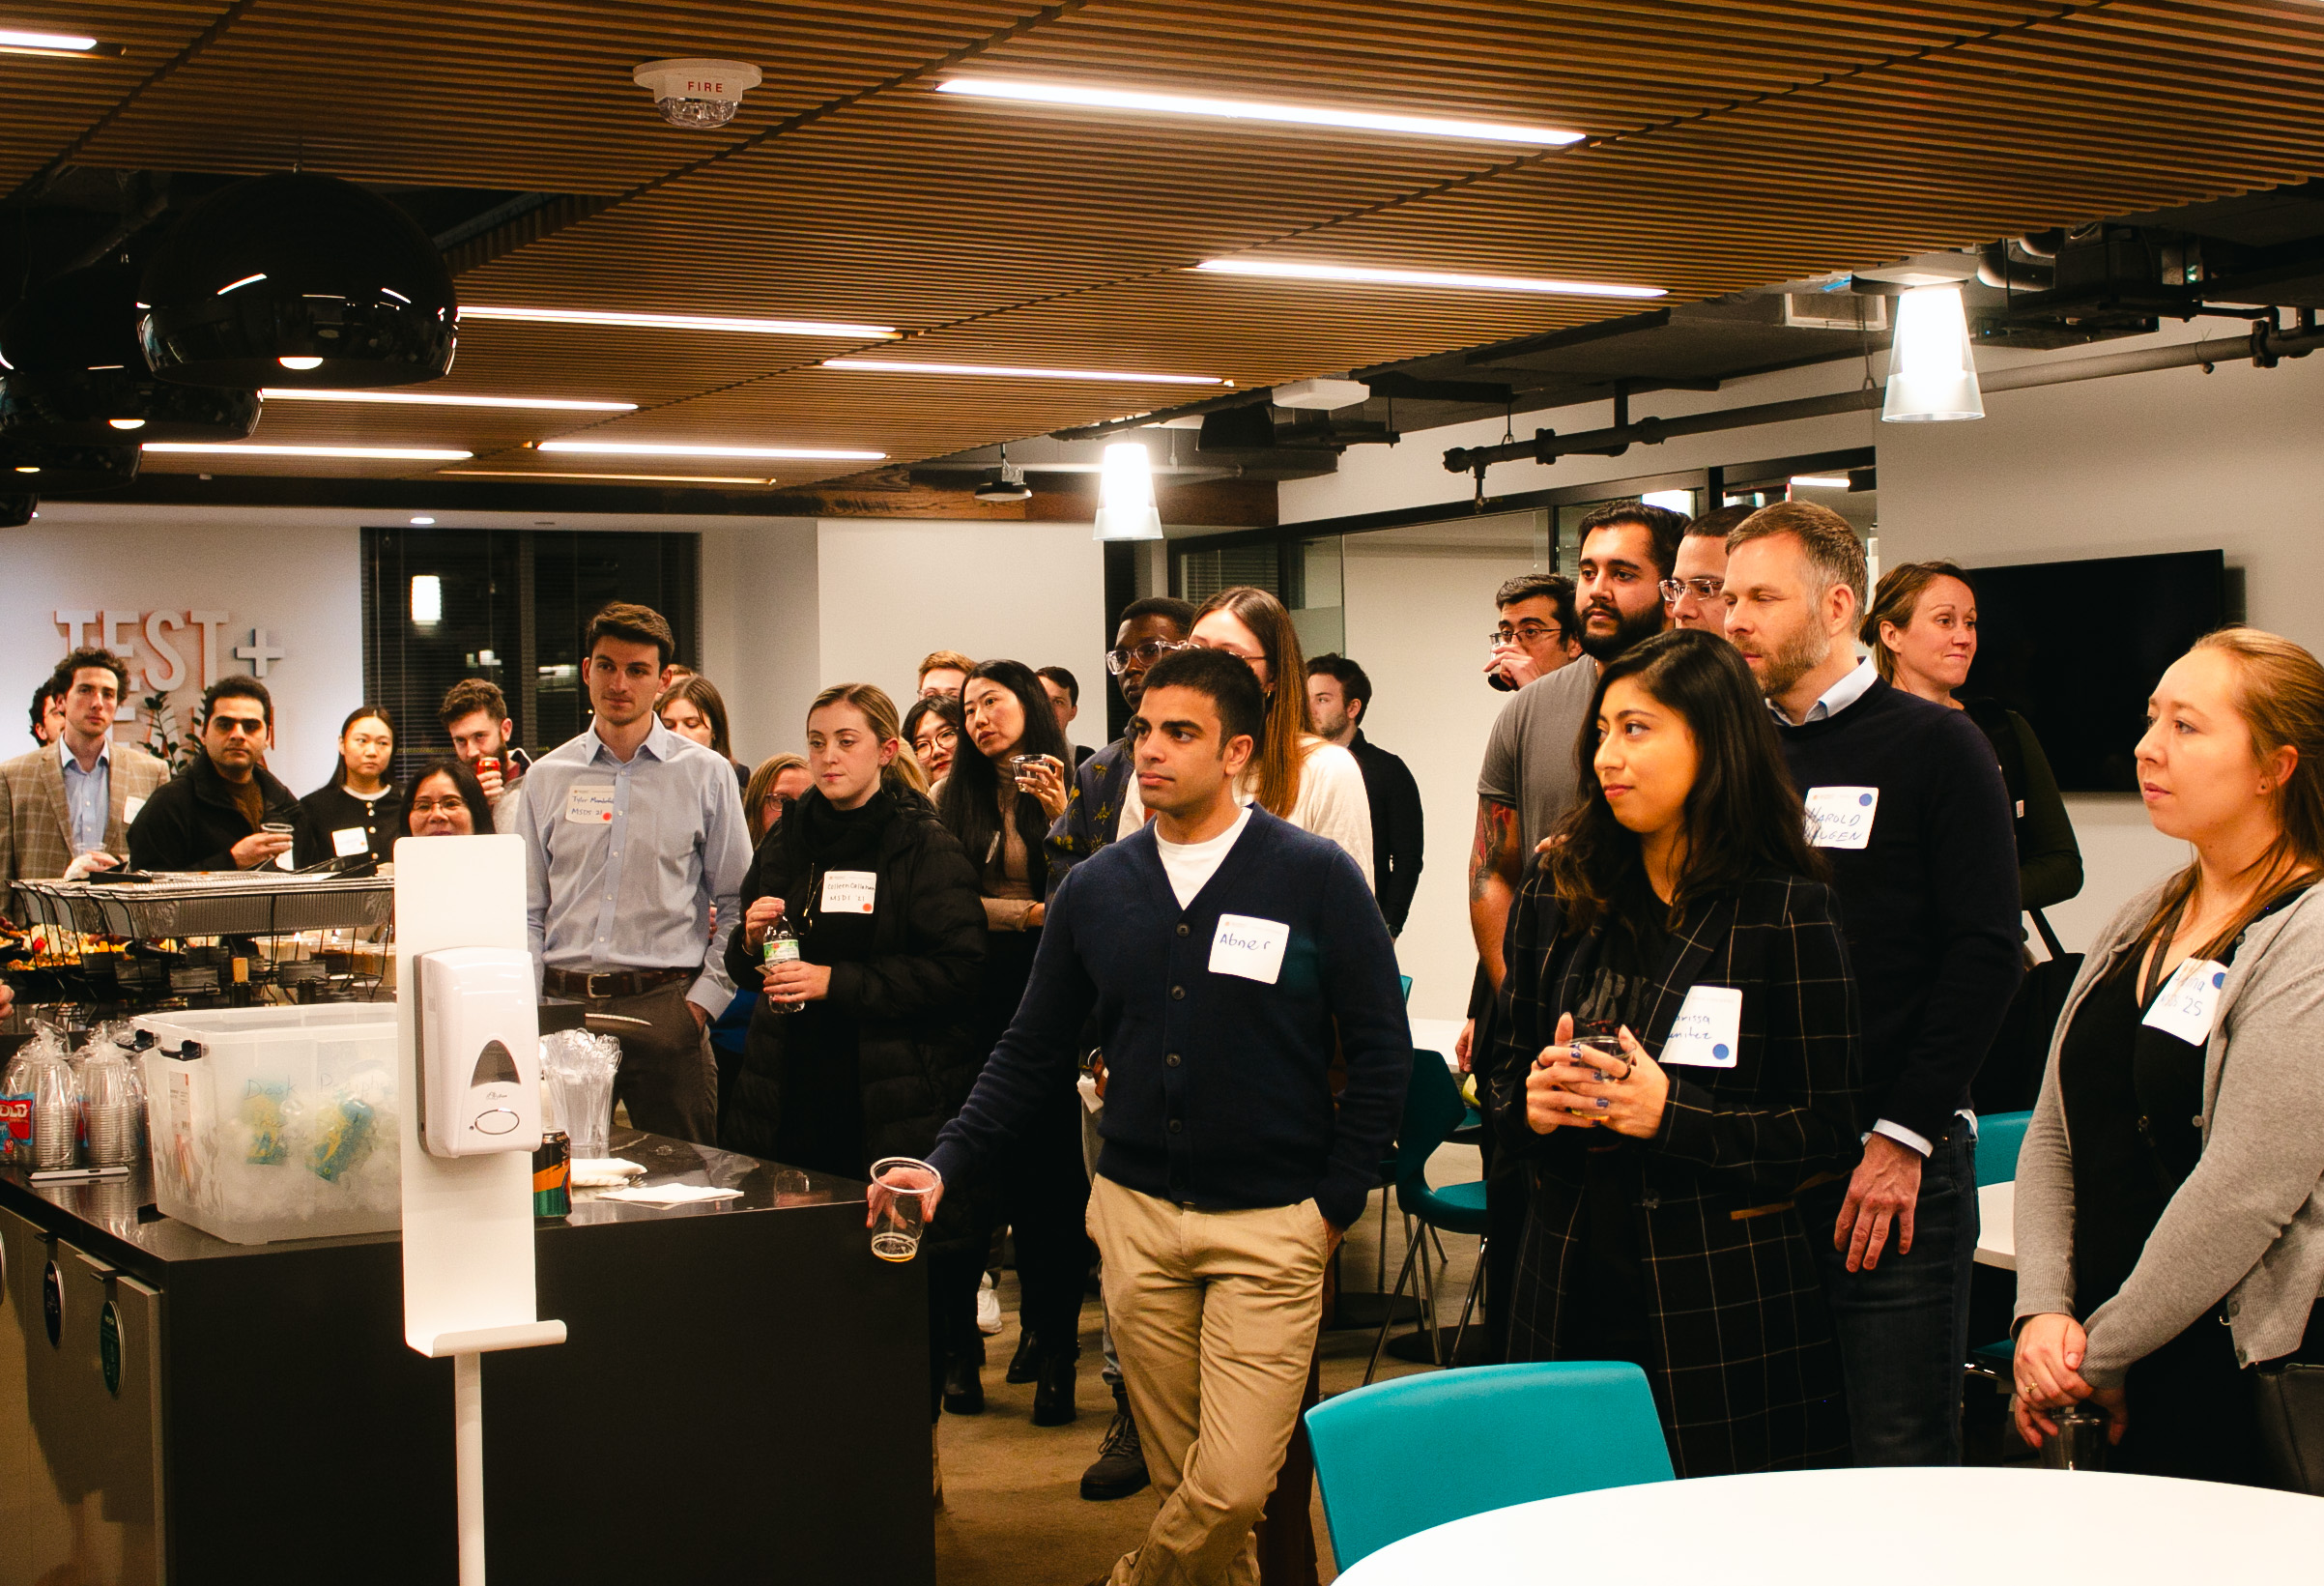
2170 1178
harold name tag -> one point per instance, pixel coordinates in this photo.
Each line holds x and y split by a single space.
1707 1029
849 891
1249 947
349 841
1840 816
589 804
2189 1005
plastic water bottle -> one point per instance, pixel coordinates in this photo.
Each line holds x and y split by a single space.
782 947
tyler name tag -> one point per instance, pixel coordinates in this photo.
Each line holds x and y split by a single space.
1840 816
849 891
1249 947
2189 1005
131 809
589 804
349 841
1707 1029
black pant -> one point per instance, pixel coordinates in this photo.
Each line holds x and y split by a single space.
953 1276
666 1079
1045 1195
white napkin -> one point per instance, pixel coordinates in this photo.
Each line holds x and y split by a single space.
671 1195
601 1172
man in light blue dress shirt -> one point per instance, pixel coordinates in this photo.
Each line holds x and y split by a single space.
636 850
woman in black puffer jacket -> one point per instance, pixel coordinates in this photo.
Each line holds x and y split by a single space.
864 1046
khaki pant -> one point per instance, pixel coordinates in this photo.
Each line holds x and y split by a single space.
1215 1314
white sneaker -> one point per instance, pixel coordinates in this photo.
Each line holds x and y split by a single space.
988 1307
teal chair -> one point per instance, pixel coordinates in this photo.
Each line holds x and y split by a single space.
1401 1456
1999 1135
1432 1110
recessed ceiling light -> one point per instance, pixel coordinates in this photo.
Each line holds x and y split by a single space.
1301 115
650 449
554 404
288 362
421 523
1362 275
1122 376
125 423
415 455
836 330
1819 481
639 478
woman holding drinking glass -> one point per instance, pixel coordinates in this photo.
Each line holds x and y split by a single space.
2170 1187
1678 1058
861 1046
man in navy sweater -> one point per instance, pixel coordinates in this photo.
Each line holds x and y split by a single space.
1905 801
1226 955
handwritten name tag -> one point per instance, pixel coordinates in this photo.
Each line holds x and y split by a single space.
589 804
1840 816
1249 947
849 891
131 809
2189 1005
349 840
1707 1029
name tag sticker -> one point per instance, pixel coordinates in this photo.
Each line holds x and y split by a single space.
1249 947
349 841
2189 1005
1840 816
131 809
1707 1029
589 804
849 891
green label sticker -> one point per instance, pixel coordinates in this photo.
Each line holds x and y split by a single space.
108 1346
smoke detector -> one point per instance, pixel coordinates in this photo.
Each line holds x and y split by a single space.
695 92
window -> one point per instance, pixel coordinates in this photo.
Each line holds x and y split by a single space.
1303 574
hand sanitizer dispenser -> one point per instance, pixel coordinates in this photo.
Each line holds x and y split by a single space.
479 1052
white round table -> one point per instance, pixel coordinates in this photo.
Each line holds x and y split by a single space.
1898 1527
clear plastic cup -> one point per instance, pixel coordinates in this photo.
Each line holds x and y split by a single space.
902 1215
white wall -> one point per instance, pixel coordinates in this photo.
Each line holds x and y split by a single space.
762 630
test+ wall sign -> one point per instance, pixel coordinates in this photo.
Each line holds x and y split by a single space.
166 652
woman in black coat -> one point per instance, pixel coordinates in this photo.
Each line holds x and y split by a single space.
863 1045
1675 1057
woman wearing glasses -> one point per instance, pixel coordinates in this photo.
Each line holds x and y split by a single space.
778 780
932 731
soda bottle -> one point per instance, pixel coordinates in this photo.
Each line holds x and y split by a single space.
782 947
15 1113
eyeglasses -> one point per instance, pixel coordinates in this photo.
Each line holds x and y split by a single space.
1119 661
1703 589
1524 633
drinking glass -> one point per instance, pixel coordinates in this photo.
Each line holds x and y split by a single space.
896 1231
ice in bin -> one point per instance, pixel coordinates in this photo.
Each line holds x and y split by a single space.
284 1127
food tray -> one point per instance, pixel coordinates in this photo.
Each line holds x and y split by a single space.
209 903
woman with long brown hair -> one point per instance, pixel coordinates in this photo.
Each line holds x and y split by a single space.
2172 1177
693 708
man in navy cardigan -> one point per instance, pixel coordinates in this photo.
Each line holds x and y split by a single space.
1226 956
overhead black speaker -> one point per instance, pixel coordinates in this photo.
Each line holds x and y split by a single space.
49 469
302 280
77 374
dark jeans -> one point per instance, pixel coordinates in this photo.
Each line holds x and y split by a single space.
1046 1198
666 1079
1903 1326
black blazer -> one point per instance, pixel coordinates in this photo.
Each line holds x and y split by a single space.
1746 1376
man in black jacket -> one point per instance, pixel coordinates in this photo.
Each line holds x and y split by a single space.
1225 954
211 815
1339 694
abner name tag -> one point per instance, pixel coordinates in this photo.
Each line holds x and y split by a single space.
1249 947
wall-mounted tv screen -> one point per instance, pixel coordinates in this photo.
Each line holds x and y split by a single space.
2075 648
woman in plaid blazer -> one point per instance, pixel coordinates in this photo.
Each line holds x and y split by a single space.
1677 920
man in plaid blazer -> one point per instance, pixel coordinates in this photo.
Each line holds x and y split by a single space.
79 795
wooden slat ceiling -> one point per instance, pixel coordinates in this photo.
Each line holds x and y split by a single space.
1732 143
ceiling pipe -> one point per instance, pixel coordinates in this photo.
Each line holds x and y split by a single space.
2264 347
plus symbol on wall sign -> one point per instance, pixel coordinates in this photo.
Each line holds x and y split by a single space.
258 653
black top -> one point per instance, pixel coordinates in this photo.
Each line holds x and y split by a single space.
192 822
1928 904
1397 828
332 809
2048 858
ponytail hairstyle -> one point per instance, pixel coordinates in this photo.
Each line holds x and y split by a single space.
1282 749
970 804
899 775
2279 696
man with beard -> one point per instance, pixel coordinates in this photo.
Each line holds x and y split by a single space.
1905 803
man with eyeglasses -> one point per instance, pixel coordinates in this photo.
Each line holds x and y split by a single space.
214 813
1691 594
1537 633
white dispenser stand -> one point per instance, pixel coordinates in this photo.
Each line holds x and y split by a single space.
466 1221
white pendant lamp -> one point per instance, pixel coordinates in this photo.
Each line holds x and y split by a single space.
1126 508
1932 376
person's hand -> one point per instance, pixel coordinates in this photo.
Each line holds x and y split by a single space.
1512 662
1046 783
701 1015
1097 1073
1548 1103
1881 1193
1334 1233
1462 1042
7 996
2047 1368
795 982
2117 1406
489 779
759 917
258 847
1035 915
877 1195
87 864
1629 1091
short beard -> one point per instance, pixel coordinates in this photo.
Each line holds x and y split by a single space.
1796 658
1630 628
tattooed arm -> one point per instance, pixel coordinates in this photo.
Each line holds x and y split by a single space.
1496 868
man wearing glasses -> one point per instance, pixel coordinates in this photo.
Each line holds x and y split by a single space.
1537 633
1691 594
214 813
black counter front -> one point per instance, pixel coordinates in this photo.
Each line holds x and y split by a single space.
742 1395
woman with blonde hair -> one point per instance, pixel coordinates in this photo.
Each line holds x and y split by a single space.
2170 1188
778 780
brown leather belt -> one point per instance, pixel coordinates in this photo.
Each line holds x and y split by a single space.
603 985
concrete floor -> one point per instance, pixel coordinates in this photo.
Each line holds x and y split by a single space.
1013 1512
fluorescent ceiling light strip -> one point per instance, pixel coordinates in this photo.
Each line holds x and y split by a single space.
648 478
685 322
1819 481
1366 275
62 42
650 449
1300 115
413 454
557 404
1122 376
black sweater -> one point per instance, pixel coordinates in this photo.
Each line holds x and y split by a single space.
192 822
332 809
1397 828
1219 1087
1929 906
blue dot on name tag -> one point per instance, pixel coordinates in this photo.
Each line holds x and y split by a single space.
1720 1052
2219 978
1864 798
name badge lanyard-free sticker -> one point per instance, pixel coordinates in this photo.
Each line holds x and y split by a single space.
1840 816
1249 947
847 891
589 804
2189 1005
1708 1028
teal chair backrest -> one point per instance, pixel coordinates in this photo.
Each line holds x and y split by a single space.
1400 1456
1432 1110
1407 979
1998 1137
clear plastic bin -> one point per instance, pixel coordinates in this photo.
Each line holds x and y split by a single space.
285 1126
